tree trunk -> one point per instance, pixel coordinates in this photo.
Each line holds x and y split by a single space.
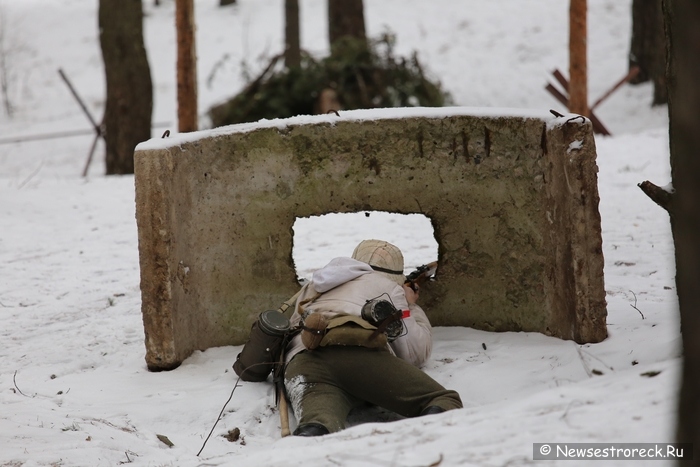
346 18
648 47
683 47
129 105
292 46
186 66
578 61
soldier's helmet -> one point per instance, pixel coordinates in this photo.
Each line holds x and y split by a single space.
383 257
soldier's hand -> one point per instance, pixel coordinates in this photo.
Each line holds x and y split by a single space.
411 294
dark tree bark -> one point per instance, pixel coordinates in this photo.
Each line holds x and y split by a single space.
683 48
186 66
346 18
292 42
648 47
578 58
129 105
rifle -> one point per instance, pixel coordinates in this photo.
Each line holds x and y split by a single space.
421 275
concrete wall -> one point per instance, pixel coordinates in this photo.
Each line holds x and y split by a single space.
513 202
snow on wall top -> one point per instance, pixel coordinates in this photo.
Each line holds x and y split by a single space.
352 115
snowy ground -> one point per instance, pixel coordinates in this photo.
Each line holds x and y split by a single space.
74 389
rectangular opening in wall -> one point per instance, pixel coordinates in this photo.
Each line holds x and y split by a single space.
318 239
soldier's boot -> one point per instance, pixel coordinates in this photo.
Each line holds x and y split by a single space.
432 409
311 429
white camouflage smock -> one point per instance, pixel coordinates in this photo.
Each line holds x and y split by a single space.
345 285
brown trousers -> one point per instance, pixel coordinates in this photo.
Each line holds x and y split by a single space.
323 385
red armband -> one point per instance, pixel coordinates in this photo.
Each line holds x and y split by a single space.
405 314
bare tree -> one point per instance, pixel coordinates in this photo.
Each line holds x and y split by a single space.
683 46
648 47
186 66
129 105
12 47
5 65
292 46
578 60
346 18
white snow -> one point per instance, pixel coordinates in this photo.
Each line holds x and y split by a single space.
574 146
345 115
74 389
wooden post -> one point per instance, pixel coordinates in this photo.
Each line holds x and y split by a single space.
578 64
186 66
292 45
346 18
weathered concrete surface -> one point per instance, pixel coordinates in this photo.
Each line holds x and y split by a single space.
513 202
